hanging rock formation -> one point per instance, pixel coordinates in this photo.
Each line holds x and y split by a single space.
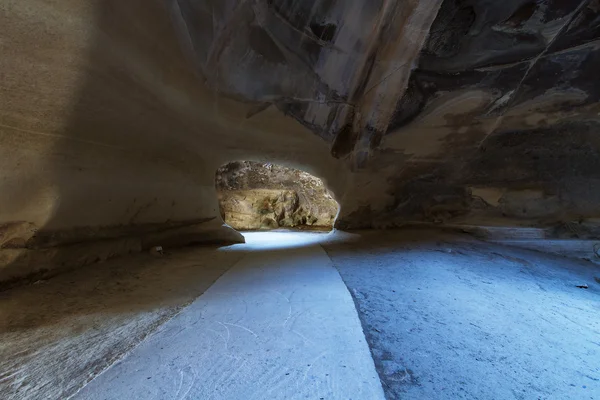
115 115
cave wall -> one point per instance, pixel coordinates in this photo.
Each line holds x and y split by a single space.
499 122
115 115
455 111
108 132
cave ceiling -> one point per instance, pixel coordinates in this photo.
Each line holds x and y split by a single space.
375 78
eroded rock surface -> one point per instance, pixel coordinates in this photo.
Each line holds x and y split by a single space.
265 196
114 116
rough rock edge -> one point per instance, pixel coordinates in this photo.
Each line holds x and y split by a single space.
24 266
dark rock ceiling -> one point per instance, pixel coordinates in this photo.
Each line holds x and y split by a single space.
444 95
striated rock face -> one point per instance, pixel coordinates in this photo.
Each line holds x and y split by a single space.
426 103
115 115
265 196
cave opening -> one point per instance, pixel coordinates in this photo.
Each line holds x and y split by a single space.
261 196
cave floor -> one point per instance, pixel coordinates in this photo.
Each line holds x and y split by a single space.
444 316
280 324
450 317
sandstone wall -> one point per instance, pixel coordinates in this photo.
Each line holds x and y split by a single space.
108 131
115 115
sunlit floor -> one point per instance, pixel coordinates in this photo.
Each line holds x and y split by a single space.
444 317
283 239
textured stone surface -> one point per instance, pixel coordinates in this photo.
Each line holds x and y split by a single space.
280 324
266 196
449 317
58 334
117 114
446 316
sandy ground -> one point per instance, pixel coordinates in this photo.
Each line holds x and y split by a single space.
445 317
448 317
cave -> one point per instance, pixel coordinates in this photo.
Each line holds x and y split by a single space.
299 199
266 196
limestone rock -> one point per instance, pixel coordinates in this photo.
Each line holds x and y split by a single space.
256 195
